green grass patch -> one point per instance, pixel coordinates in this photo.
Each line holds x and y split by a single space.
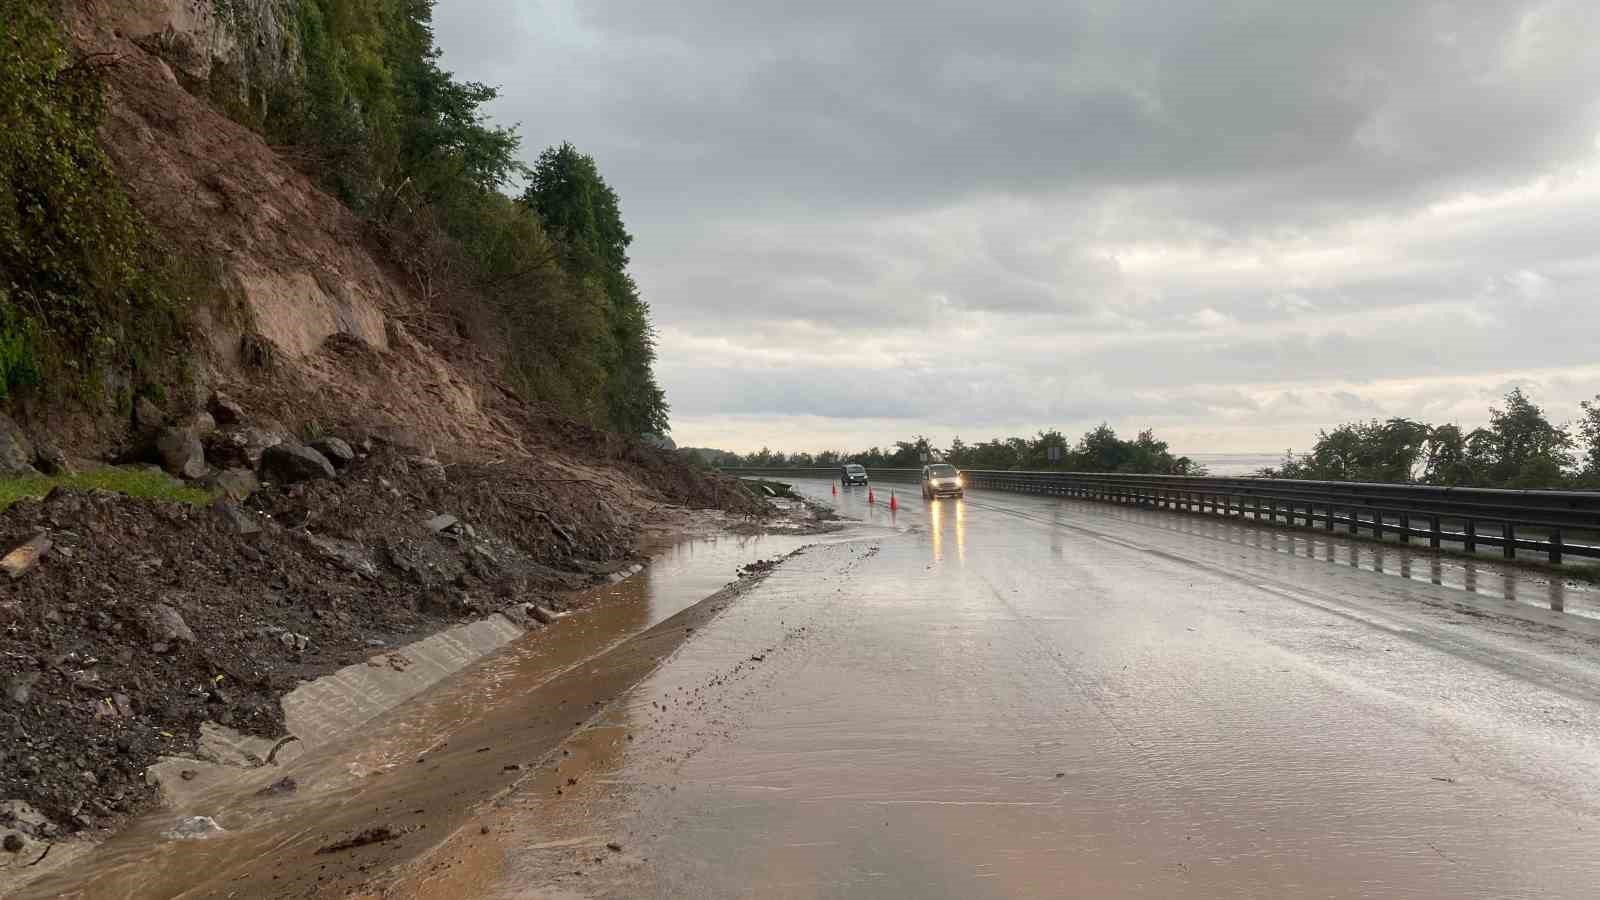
146 483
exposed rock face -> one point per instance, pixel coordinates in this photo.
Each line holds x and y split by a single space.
252 43
16 453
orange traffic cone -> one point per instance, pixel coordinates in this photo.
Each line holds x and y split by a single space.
893 503
871 497
835 489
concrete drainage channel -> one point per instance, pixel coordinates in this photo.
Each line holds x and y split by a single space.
330 707
422 774
316 713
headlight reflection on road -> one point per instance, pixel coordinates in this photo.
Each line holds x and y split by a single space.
937 515
961 530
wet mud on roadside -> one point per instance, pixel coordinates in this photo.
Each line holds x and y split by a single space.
416 774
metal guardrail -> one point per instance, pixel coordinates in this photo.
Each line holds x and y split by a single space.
1538 521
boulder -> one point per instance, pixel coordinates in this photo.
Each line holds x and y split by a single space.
16 453
338 452
225 410
163 624
181 452
236 484
239 447
203 423
147 416
52 460
293 463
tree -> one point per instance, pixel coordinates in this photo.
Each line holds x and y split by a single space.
583 214
1524 449
1447 461
1101 450
1589 428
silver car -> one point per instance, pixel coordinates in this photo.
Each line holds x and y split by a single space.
942 480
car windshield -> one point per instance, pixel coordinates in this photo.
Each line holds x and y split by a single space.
942 471
854 469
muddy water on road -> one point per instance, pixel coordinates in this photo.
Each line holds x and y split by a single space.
992 704
425 767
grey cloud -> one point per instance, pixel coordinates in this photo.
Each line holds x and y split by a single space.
951 183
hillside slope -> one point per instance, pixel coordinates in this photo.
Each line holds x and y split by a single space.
375 477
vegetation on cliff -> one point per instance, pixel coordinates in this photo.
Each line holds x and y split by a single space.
541 278
85 290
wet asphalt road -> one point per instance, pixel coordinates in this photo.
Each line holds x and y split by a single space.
1017 696
1002 696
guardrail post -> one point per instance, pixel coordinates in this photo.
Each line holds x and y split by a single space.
1328 522
1508 544
1435 538
1405 528
1556 546
1377 524
1470 542
1272 512
1354 525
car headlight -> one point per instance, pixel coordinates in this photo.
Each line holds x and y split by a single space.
960 481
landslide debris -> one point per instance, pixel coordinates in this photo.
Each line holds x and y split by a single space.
142 619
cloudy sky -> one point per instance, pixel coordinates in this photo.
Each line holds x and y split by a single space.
1234 221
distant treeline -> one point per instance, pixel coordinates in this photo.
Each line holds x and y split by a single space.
1099 450
1519 448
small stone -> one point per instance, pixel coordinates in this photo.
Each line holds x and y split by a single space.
188 774
19 687
163 624
441 522
614 847
284 785
13 843
544 615
234 519
25 556
193 827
